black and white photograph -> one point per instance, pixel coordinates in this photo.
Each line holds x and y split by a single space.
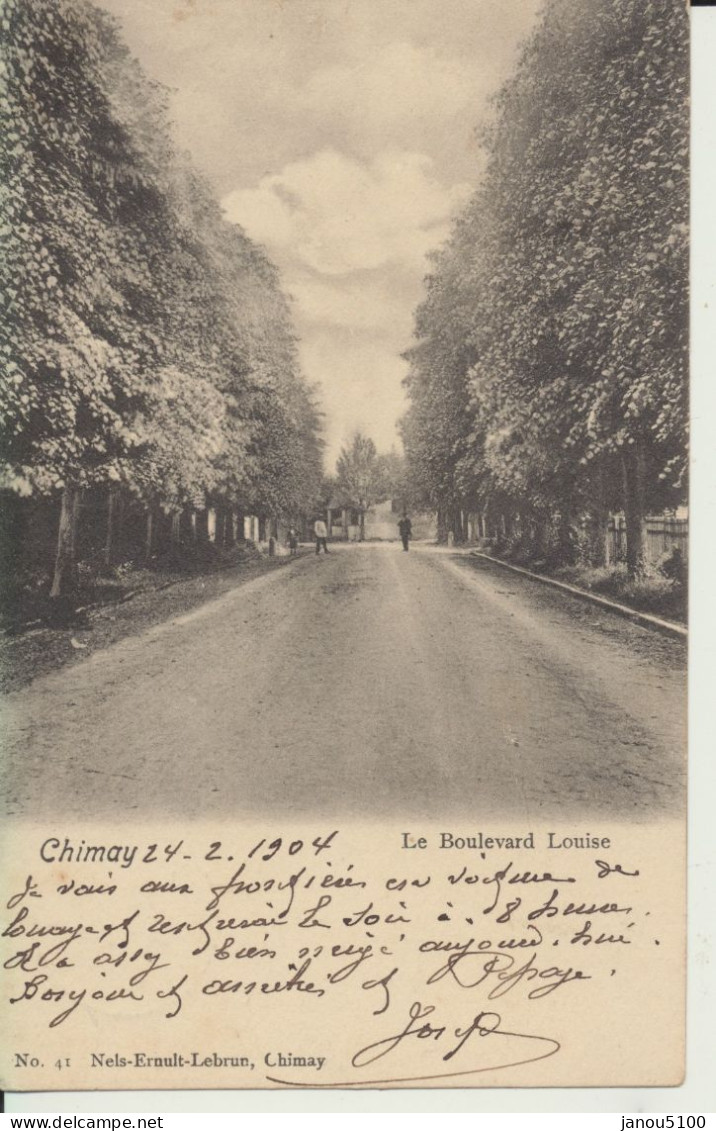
344 513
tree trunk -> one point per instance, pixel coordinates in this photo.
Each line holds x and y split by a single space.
361 536
149 544
229 532
76 522
442 527
634 477
537 530
189 524
201 525
564 537
454 522
219 526
113 507
597 523
262 528
175 529
64 578
220 535
240 526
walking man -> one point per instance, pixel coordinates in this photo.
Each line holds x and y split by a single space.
321 532
406 529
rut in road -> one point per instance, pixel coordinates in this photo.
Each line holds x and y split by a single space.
366 683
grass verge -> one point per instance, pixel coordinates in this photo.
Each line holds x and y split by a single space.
655 593
35 638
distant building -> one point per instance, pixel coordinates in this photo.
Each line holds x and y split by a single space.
381 523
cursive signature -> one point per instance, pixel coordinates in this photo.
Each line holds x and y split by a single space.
450 1040
503 973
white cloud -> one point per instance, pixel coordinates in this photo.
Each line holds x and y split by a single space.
360 380
350 237
355 303
342 131
336 214
399 87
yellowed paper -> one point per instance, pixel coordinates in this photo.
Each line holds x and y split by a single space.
307 956
424 824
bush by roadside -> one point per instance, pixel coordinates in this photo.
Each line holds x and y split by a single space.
26 603
656 594
129 599
662 591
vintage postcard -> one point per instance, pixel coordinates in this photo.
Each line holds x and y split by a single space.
345 543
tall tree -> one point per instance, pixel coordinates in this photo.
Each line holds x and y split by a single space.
145 341
75 347
360 477
555 322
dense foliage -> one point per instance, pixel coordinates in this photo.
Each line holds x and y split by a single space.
146 345
548 381
361 478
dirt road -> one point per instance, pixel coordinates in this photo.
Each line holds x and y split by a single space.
369 683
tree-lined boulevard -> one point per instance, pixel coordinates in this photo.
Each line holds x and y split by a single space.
150 357
162 422
548 380
334 686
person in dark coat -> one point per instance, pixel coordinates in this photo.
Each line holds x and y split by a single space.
406 529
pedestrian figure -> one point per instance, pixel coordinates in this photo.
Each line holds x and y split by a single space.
406 529
293 540
321 532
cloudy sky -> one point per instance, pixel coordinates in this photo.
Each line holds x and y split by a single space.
339 134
